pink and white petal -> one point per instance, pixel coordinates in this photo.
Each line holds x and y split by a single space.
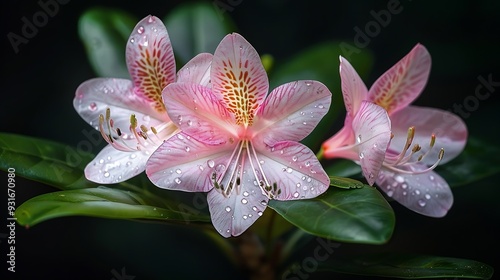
402 83
94 96
113 166
372 129
150 59
353 89
197 70
292 111
238 77
449 129
198 113
233 214
294 169
183 163
341 144
427 193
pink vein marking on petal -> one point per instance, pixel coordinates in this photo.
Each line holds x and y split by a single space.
239 78
353 89
291 111
150 59
403 82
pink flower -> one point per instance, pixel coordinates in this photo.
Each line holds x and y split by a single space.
420 135
238 144
130 114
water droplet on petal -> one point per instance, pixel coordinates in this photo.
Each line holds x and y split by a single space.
358 139
101 161
92 106
254 208
321 106
308 83
178 171
431 177
211 163
289 170
296 194
263 203
295 158
399 178
245 217
427 196
140 30
417 192
308 163
190 123
177 180
245 193
228 209
298 185
421 202
187 149
405 193
244 201
259 213
132 40
106 174
404 186
390 193
375 145
361 155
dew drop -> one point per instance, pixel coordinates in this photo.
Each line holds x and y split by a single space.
399 179
361 155
106 174
211 163
303 178
390 193
298 185
259 213
178 171
375 145
295 158
308 83
132 40
421 202
296 194
309 179
177 180
321 106
108 158
304 123
245 194
417 192
289 170
427 196
244 201
308 163
405 193
431 177
187 149
358 139
101 161
263 203
245 217
302 113
254 208
304 188
140 30
404 186
190 123
129 163
92 106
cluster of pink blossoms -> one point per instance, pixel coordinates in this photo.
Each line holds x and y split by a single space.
214 127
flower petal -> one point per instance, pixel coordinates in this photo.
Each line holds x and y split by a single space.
183 163
198 113
94 96
353 89
113 166
449 129
427 193
150 59
372 129
234 214
403 82
341 144
238 78
294 169
292 111
197 70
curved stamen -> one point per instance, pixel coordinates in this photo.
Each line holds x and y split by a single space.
399 170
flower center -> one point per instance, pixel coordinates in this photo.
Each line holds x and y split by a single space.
145 138
395 162
244 154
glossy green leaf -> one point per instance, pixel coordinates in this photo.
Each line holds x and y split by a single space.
477 161
101 202
104 33
321 63
410 266
345 183
44 161
342 167
195 28
354 215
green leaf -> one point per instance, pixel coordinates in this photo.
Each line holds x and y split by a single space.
195 28
104 33
321 63
44 161
477 161
345 183
354 215
343 168
410 266
101 202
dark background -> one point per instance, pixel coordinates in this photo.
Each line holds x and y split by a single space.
38 85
